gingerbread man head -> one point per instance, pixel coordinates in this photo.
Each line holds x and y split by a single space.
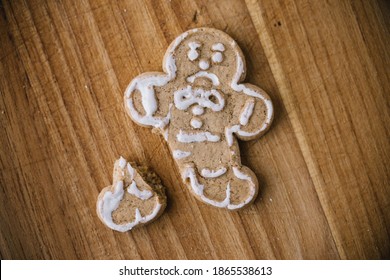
200 107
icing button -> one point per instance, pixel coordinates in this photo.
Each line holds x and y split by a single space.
204 64
196 123
198 110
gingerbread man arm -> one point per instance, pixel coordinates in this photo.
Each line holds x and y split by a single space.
145 84
255 117
257 113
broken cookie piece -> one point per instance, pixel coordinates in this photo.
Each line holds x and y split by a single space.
135 198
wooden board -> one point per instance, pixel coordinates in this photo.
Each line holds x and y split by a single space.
323 167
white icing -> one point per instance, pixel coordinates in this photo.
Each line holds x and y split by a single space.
192 55
252 190
204 64
220 204
241 175
197 137
242 88
146 120
248 91
169 65
214 79
237 130
217 57
178 154
198 189
251 134
218 47
198 110
134 190
122 163
184 98
226 202
110 202
196 123
207 173
131 171
247 112
194 45
229 133
145 85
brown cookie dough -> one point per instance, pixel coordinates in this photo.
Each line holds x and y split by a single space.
200 106
135 198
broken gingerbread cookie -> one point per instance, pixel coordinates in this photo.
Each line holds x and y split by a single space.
135 198
200 107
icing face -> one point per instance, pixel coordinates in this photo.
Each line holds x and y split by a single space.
203 92
200 107
205 57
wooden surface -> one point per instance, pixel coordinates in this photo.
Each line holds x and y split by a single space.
323 167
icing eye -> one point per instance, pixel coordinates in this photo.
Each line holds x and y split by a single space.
193 53
217 57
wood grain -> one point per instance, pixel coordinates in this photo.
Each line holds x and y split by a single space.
323 167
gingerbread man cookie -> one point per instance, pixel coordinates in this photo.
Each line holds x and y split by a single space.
200 106
135 198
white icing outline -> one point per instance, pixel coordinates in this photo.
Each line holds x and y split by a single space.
207 173
229 133
252 192
122 163
145 85
198 189
134 190
178 154
240 73
131 171
110 202
197 137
